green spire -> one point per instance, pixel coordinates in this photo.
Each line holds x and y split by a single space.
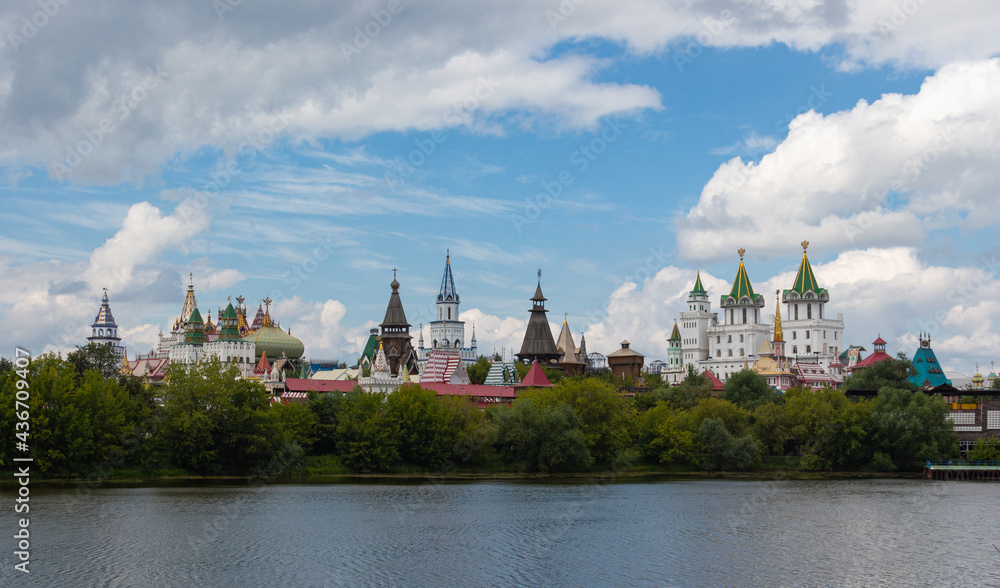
229 329
741 285
196 328
805 280
676 335
698 288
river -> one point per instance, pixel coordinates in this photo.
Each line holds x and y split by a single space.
710 532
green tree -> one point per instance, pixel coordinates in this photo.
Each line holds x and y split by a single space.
911 427
890 373
664 437
479 370
748 389
215 423
986 450
366 440
608 419
101 358
826 428
296 423
724 451
540 439
325 408
692 389
424 428
474 433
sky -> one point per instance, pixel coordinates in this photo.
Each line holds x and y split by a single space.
302 151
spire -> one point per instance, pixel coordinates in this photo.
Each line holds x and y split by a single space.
190 304
676 334
741 285
538 342
473 334
448 292
805 281
565 342
698 288
394 315
229 329
195 332
267 322
778 336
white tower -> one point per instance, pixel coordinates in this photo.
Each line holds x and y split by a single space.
694 325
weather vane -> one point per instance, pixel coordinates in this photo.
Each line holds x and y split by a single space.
805 245
741 252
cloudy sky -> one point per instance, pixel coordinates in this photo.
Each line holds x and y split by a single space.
303 150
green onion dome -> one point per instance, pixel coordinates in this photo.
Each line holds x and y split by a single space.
276 343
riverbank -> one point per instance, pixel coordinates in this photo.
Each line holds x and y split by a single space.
599 477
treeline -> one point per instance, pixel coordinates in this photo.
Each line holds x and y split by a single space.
86 421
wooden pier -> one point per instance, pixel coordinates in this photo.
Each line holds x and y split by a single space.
962 469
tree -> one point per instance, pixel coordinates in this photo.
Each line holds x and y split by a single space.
215 423
748 389
693 388
723 451
325 409
424 430
986 450
826 428
890 373
366 440
479 370
540 439
474 434
101 358
910 427
608 419
296 424
663 437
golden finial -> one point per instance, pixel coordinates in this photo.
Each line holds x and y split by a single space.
267 303
565 316
805 245
742 251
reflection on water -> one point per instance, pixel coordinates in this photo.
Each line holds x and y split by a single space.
700 533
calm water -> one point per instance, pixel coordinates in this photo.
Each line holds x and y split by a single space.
692 533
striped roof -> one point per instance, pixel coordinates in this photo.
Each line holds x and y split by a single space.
444 367
698 288
501 373
104 317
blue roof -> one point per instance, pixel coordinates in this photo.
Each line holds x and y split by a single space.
929 371
447 293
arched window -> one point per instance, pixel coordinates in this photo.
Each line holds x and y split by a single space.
458 344
449 314
809 311
796 312
744 316
820 311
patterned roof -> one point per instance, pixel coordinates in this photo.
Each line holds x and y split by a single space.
448 292
276 343
190 305
258 319
742 287
444 367
676 334
501 374
381 364
195 333
229 329
929 372
263 366
104 317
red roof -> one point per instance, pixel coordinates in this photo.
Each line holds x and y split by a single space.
535 377
873 358
716 382
304 385
879 341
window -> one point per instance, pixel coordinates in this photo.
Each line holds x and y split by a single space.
718 353
741 352
741 338
808 348
730 339
824 334
796 312
795 349
835 335
730 353
807 334
795 334
718 339
809 311
744 316
449 314
820 311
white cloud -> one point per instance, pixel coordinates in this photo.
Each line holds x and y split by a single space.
168 82
878 174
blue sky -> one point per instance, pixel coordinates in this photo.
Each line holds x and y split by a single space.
248 149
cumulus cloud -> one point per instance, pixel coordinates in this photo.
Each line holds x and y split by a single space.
876 175
166 82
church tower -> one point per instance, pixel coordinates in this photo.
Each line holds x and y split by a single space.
675 353
104 330
694 325
538 343
396 333
447 332
809 329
